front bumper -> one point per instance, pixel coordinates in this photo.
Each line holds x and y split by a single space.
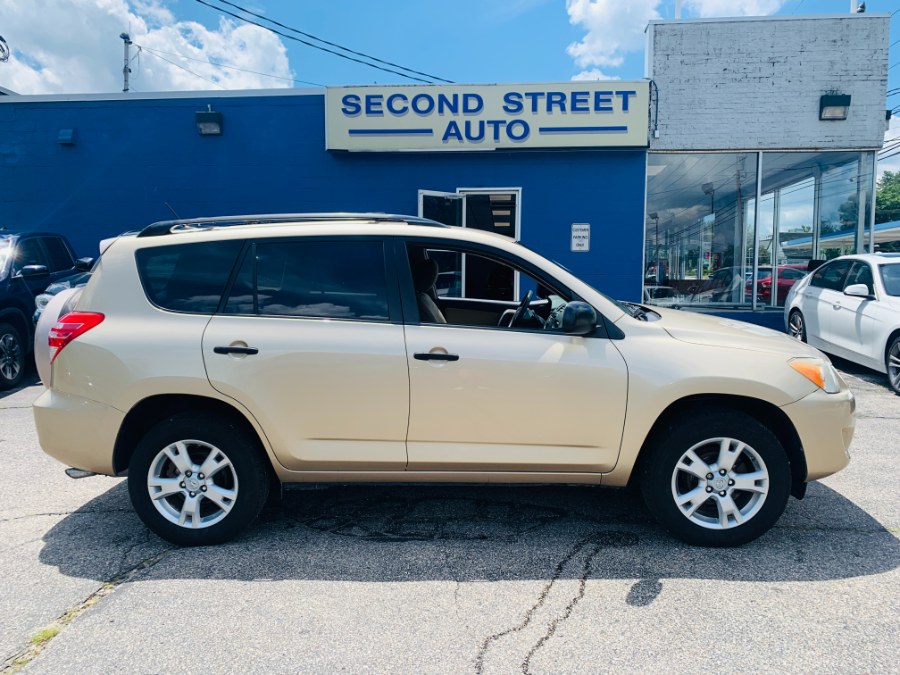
825 424
77 431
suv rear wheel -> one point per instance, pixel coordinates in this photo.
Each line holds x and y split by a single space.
12 357
717 479
197 480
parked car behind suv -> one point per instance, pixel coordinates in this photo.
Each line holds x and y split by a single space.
850 307
29 262
212 359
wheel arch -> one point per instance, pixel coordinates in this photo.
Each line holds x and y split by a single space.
150 411
766 413
887 345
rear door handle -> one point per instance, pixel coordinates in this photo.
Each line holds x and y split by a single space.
236 350
435 356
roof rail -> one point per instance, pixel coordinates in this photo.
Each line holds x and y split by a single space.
189 224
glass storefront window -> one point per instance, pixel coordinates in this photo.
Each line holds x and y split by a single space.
701 234
696 242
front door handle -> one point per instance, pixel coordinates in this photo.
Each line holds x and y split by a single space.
236 350
435 356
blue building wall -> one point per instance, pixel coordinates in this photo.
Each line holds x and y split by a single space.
132 156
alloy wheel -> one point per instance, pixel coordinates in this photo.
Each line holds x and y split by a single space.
893 366
720 483
10 357
795 325
192 484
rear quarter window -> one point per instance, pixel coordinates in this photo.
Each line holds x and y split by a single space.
187 277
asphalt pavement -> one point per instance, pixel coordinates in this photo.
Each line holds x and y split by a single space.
412 579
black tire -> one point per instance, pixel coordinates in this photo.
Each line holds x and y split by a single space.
246 475
661 480
797 325
12 357
892 364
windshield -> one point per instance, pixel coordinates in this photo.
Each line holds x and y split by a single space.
890 275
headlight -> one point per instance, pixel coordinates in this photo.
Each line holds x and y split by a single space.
42 300
820 372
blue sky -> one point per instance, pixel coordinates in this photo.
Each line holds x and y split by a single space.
73 46
478 41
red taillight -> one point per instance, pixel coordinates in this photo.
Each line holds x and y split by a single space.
70 327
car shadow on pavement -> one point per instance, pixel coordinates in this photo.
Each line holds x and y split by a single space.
29 380
416 533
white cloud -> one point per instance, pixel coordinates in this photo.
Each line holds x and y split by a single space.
594 74
614 28
73 46
710 8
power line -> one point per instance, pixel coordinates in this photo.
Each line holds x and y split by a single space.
187 70
332 44
314 46
222 65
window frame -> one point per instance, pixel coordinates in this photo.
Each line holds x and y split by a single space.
392 289
408 294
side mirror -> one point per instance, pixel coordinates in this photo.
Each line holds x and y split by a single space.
34 272
84 264
579 318
858 291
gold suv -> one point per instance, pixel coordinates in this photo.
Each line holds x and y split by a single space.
212 360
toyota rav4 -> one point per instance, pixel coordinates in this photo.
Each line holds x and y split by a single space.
216 359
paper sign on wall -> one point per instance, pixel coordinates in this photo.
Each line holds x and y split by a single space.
581 236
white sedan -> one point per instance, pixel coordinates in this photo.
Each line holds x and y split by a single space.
850 307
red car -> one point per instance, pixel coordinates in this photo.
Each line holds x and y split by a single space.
788 275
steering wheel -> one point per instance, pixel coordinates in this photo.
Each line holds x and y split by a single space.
520 310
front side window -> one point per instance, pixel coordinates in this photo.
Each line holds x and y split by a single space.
187 277
440 273
30 253
313 279
861 274
831 276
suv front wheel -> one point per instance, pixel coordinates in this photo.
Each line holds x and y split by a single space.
196 480
719 478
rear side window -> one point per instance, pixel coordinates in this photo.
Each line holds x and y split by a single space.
60 257
831 275
314 279
890 276
187 277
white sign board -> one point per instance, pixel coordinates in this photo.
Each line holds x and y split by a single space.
487 117
581 236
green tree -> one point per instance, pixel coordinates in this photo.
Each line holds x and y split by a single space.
887 197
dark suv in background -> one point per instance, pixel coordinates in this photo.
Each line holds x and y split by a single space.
29 262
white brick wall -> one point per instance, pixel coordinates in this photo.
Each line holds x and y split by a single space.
755 83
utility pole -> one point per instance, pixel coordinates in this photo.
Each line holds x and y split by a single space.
126 70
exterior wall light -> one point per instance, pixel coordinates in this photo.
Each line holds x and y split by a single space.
209 123
834 106
66 137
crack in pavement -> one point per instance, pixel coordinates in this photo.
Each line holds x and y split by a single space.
18 661
79 512
594 544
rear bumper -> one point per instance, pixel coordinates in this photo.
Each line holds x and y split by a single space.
76 431
825 424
